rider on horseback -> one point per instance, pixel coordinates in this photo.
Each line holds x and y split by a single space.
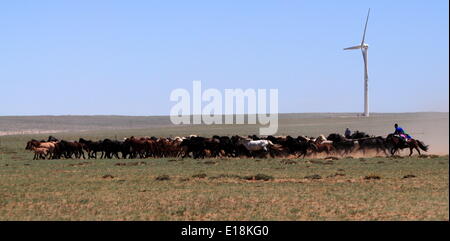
399 131
348 133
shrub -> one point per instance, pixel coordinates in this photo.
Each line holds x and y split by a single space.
199 175
162 178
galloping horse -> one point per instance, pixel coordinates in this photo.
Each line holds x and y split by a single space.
324 145
341 144
259 145
39 153
38 144
372 143
398 143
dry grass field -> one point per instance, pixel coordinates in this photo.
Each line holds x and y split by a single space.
358 188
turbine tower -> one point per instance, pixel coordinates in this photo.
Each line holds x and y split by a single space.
364 48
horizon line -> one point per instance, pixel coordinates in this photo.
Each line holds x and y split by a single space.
282 113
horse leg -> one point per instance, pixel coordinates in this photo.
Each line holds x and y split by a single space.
302 153
393 151
344 152
265 152
271 154
418 150
410 151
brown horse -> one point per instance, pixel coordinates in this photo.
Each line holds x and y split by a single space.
50 146
398 143
323 145
139 147
39 153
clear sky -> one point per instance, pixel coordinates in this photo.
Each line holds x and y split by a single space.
125 57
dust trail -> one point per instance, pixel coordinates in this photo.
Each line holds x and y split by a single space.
436 135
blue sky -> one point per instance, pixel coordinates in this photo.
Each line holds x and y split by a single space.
125 57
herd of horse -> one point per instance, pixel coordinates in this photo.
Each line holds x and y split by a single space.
222 146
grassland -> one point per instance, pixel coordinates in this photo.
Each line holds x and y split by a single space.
223 189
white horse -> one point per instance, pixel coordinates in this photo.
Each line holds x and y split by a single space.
179 139
322 140
258 145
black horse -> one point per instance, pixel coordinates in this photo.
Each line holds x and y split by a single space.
342 144
52 139
92 147
358 135
373 143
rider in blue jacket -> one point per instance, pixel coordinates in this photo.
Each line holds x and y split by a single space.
401 132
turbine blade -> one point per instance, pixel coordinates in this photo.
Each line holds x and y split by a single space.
365 28
354 47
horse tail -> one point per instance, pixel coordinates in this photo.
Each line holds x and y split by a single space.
422 145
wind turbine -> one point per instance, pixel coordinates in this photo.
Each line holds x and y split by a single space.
364 48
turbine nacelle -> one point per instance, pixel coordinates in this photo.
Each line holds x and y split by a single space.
363 46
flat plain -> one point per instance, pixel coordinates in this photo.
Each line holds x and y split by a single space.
350 188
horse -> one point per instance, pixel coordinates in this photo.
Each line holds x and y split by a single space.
226 146
396 143
256 146
50 146
335 137
341 144
52 139
165 147
358 135
31 144
92 147
39 153
324 145
138 146
303 144
377 143
195 145
238 149
322 139
112 148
